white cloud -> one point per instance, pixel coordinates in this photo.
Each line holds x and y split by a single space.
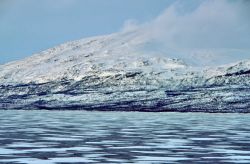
130 25
212 24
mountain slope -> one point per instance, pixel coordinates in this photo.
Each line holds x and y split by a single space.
122 72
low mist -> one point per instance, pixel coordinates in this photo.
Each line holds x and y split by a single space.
212 29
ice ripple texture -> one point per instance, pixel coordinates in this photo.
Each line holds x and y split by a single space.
123 137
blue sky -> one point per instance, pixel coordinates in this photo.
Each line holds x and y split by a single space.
29 26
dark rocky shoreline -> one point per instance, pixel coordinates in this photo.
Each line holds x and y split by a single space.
228 98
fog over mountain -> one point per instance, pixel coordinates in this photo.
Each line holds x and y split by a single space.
218 31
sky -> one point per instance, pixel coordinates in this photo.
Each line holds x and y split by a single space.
30 26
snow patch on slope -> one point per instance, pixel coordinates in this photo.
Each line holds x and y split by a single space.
104 55
119 53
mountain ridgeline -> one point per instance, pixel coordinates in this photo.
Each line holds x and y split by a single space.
123 72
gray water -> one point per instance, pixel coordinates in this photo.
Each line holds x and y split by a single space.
122 137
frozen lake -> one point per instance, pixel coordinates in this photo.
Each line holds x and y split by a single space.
123 137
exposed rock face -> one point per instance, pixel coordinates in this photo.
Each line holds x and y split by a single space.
114 72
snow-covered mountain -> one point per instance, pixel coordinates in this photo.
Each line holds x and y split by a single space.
125 71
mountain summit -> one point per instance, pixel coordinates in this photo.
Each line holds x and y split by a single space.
126 71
